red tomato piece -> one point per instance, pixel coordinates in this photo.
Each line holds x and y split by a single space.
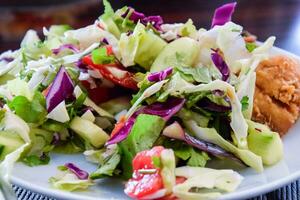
113 72
144 159
143 184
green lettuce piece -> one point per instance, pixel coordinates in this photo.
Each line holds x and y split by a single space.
12 123
30 111
108 168
99 56
191 156
66 180
141 47
211 135
19 87
41 146
187 29
34 160
178 86
108 19
142 136
195 74
205 183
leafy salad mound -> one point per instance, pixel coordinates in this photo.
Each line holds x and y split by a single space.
160 105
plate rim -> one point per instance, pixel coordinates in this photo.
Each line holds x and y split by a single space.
248 193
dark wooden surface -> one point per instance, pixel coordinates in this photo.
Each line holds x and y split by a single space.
261 17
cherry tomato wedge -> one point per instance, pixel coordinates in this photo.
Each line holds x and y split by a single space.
143 184
144 159
113 72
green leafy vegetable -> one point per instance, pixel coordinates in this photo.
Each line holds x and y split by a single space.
245 103
193 157
250 46
195 74
34 160
188 28
68 181
142 136
31 112
100 56
108 168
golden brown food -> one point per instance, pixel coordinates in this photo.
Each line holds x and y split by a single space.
277 93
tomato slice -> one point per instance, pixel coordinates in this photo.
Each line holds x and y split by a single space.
144 159
142 184
113 72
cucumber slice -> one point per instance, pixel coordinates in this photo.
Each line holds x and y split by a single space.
89 131
181 52
149 48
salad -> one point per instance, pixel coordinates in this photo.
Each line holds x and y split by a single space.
166 107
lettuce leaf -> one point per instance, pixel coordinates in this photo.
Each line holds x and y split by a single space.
66 180
30 111
205 183
14 124
210 135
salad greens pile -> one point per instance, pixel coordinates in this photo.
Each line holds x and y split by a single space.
151 102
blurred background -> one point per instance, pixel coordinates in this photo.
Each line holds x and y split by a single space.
262 18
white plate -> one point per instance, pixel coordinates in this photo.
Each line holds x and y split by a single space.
288 170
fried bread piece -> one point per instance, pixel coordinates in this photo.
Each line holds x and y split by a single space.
277 93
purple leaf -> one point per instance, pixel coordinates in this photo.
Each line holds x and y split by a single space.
175 131
62 88
64 47
165 110
81 174
220 64
159 76
223 14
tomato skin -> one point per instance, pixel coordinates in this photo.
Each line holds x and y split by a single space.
126 81
140 184
143 184
144 159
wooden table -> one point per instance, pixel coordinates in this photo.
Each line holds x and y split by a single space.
280 18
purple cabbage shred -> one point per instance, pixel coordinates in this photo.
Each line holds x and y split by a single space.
81 174
159 76
223 14
220 64
64 47
165 110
